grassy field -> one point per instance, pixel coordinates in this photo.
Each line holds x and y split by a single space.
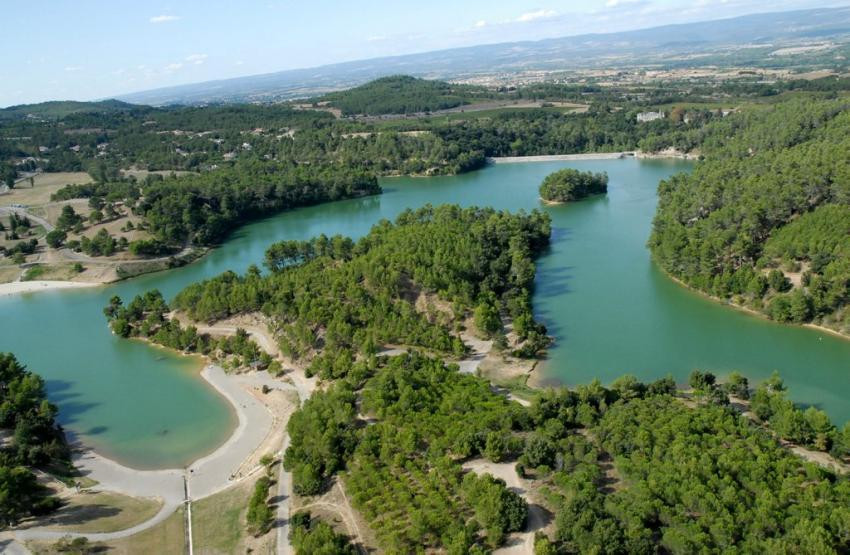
8 271
45 184
168 536
219 527
52 272
91 512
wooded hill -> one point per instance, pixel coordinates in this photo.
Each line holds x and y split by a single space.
400 94
763 219
334 300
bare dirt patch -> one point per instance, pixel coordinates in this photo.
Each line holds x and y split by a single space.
335 509
538 517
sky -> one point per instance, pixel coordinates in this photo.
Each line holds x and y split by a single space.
91 49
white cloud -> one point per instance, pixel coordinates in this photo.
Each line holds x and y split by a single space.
480 24
539 14
240 62
196 59
619 3
173 67
73 68
376 38
163 18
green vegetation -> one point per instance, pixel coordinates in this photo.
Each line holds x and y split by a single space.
400 94
205 207
145 317
346 299
771 197
28 420
625 469
403 471
311 536
260 514
568 185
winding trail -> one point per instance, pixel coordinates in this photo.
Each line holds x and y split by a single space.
48 227
520 542
214 472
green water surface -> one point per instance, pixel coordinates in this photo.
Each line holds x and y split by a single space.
610 309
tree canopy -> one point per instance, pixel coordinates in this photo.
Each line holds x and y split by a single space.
568 185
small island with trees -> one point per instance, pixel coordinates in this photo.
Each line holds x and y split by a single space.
568 185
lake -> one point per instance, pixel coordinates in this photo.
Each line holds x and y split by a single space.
611 310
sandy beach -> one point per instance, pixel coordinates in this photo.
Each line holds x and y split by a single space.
18 287
206 476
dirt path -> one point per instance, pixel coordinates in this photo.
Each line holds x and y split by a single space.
48 227
205 477
302 385
521 542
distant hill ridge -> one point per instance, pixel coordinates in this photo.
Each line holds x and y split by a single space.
400 94
58 109
667 46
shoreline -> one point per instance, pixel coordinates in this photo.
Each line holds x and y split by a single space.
243 405
202 478
20 287
561 157
636 154
747 310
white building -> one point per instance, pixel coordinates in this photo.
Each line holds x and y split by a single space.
645 117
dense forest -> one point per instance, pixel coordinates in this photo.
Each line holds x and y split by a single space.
568 185
202 208
334 299
102 138
29 438
632 468
400 94
763 220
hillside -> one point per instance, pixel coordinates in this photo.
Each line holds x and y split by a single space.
763 220
399 94
58 109
769 40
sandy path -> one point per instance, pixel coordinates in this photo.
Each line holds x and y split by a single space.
204 477
521 542
8 545
480 348
303 386
18 287
48 227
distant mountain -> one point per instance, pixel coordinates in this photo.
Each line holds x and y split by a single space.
782 39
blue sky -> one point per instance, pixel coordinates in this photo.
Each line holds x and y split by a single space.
86 49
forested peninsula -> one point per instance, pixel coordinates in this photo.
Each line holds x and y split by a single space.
763 220
617 469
